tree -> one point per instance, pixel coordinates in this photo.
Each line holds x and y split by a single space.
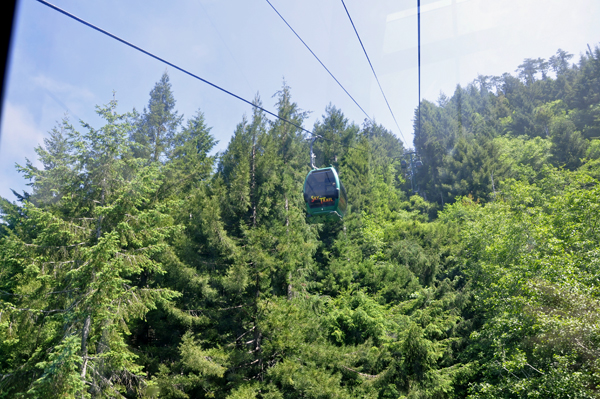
157 126
471 169
135 268
75 263
568 146
189 162
560 62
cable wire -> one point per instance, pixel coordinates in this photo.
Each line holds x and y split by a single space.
314 55
419 57
373 69
183 70
168 63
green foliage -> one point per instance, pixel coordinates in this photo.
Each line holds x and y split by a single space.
528 260
74 265
140 265
525 158
154 133
466 139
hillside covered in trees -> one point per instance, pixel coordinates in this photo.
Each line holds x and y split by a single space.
140 265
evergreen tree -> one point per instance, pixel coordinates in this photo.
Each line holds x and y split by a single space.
157 126
135 268
75 264
560 62
568 146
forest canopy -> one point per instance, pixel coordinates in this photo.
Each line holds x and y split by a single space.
141 264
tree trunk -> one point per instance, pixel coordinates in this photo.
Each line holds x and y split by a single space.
253 181
287 219
84 337
99 225
257 333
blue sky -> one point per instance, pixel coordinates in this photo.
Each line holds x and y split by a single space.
59 66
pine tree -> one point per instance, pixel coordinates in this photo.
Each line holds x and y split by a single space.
157 126
189 162
568 146
76 261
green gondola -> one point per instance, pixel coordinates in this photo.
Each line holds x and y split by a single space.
324 195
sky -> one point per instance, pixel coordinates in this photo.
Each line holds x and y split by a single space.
59 67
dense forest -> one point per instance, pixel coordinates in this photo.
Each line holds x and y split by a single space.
140 265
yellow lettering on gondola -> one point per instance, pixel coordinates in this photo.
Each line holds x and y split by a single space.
322 200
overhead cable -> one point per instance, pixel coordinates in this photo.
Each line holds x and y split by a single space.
373 69
419 56
180 69
320 62
168 63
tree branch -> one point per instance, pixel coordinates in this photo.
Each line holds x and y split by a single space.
362 374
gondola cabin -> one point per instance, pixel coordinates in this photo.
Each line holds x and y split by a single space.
324 195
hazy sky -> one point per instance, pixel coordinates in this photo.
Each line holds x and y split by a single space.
59 66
